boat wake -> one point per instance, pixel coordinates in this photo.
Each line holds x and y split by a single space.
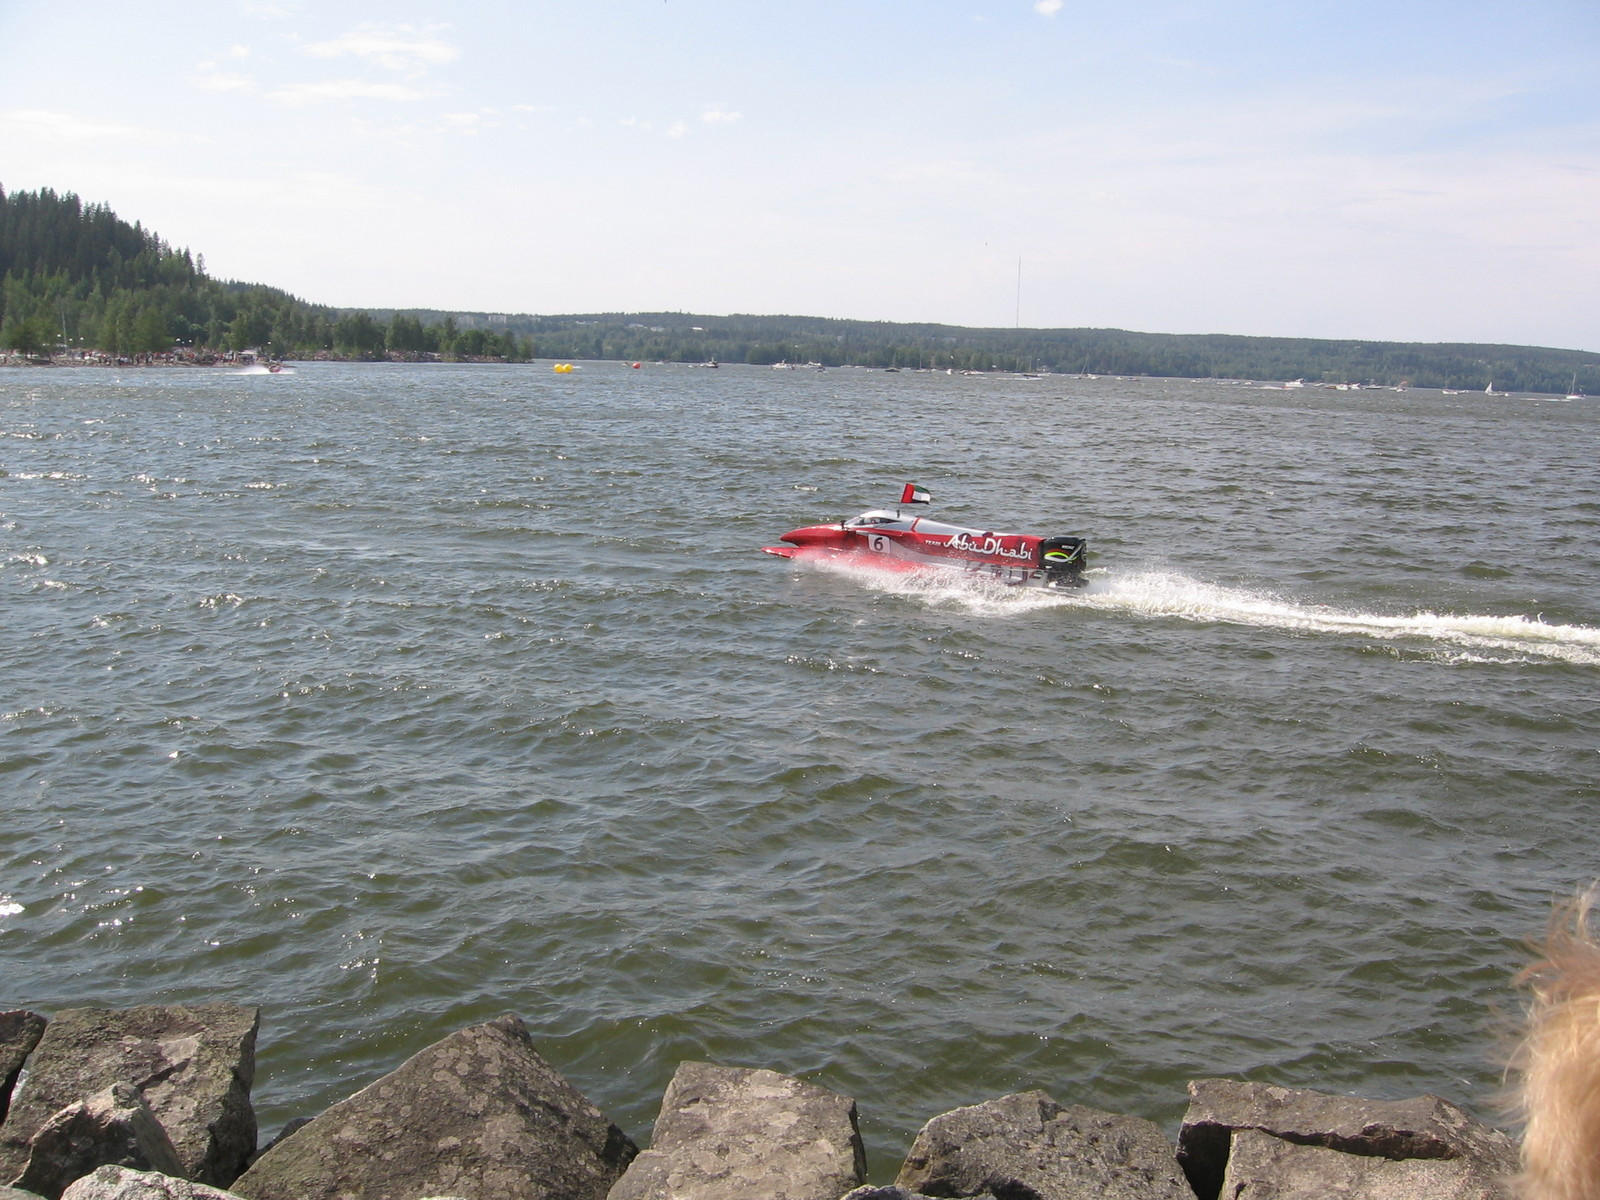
1169 596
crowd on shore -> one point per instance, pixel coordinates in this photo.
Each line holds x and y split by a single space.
179 356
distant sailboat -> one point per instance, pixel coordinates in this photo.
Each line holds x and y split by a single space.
1572 390
1489 391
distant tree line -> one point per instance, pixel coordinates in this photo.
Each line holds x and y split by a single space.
75 277
685 337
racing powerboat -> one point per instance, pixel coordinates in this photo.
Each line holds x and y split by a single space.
891 540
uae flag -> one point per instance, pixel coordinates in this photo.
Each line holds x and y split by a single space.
915 495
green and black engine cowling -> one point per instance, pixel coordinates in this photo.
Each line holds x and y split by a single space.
1063 560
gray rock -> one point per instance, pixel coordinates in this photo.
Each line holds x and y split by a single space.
729 1133
112 1126
1027 1145
20 1031
11 1193
1425 1127
883 1193
120 1183
290 1127
478 1114
1263 1167
194 1067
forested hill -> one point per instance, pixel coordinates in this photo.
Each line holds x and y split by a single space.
76 277
686 337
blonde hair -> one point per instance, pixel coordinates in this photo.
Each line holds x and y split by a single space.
1559 1060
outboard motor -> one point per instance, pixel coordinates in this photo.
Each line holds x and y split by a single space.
1063 560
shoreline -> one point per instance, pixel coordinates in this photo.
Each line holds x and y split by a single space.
233 359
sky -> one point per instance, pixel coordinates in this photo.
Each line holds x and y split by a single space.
1416 170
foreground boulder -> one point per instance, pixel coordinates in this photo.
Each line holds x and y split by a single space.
478 1114
1262 1167
193 1066
1028 1145
114 1126
20 1031
121 1183
1424 1128
727 1133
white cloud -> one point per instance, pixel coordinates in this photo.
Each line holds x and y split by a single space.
405 135
64 127
717 115
677 129
468 122
312 191
346 89
1227 219
403 48
208 78
1047 8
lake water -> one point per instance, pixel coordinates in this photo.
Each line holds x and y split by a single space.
392 698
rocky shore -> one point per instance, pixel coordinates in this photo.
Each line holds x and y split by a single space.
153 1103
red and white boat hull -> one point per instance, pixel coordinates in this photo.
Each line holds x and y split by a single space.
889 541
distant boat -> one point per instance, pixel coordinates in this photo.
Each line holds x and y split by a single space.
1295 383
1489 391
1572 389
